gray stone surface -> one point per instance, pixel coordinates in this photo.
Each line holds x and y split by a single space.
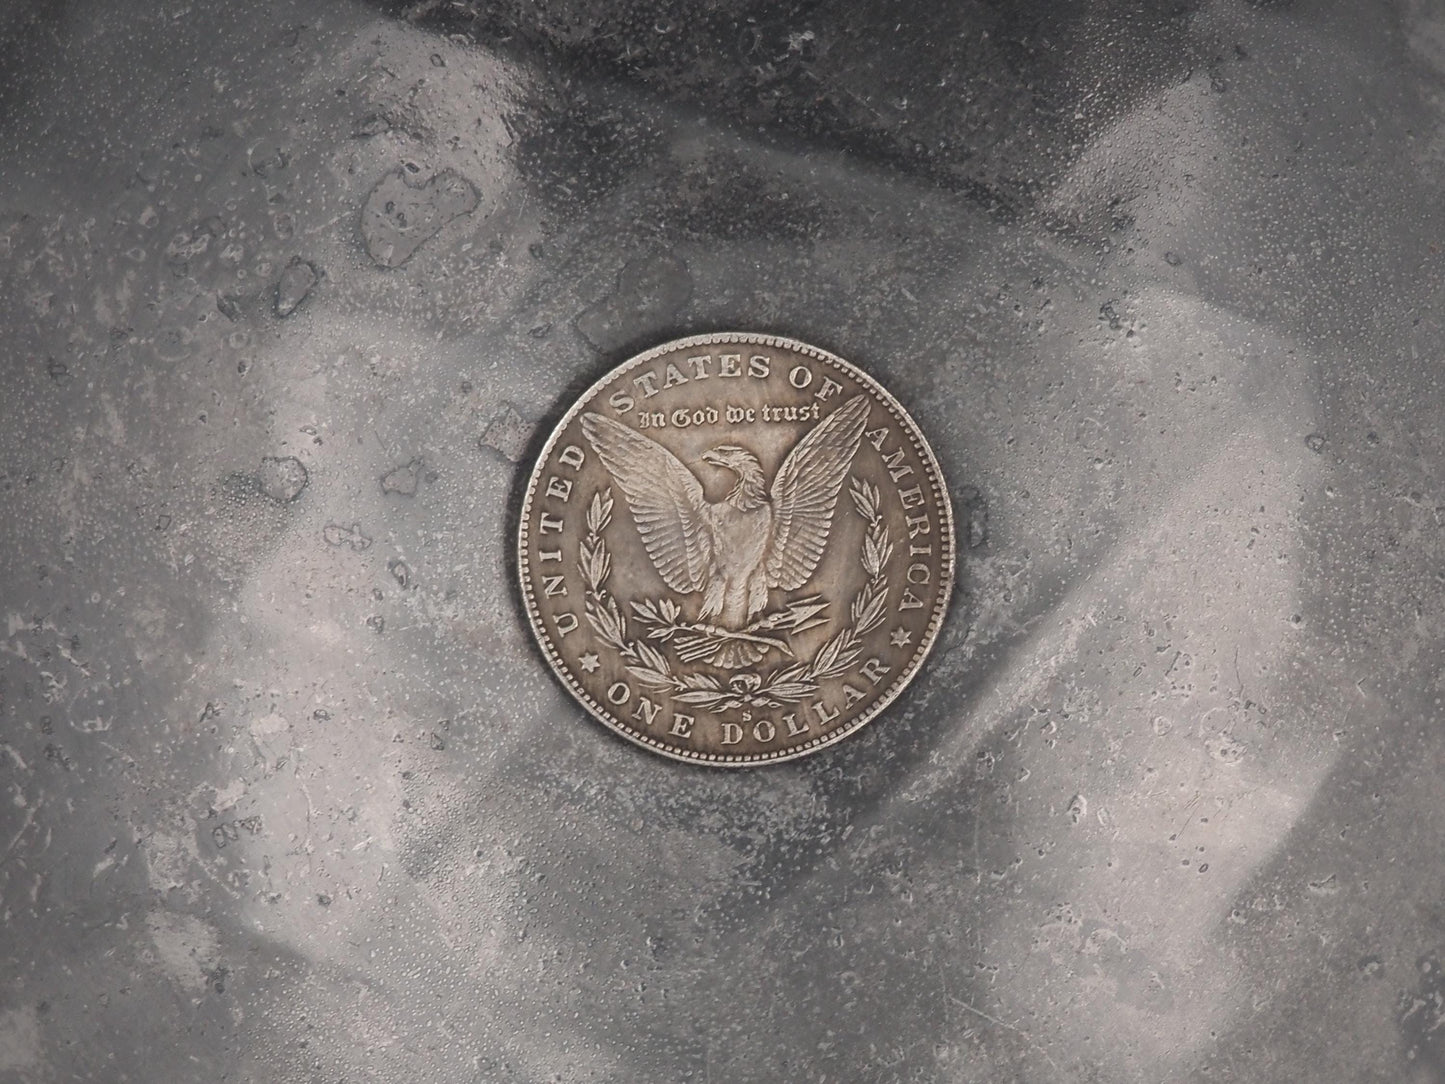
286 792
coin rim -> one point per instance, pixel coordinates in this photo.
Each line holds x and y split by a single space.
935 621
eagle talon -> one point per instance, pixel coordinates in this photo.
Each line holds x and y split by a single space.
745 683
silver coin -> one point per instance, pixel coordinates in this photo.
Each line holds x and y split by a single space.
736 549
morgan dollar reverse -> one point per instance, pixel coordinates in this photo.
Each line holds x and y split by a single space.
736 549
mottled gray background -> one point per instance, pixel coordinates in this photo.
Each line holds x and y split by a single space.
288 795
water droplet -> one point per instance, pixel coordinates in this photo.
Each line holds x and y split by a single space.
399 216
294 285
282 478
1078 808
508 433
403 479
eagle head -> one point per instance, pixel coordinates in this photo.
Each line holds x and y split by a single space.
748 493
738 460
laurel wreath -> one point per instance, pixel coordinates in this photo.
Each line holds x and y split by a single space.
784 685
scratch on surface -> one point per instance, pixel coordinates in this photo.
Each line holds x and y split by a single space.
24 827
1016 1030
19 760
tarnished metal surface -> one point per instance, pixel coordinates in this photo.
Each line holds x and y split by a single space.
760 621
291 295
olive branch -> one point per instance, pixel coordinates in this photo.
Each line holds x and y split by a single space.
869 605
786 685
642 660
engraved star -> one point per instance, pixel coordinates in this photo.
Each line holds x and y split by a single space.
901 637
589 662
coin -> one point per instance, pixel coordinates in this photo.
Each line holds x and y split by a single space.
736 549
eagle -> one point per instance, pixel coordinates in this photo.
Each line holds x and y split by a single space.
756 538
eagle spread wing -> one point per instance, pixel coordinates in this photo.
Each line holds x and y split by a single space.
666 499
805 492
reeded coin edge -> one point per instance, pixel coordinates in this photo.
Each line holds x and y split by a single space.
935 620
